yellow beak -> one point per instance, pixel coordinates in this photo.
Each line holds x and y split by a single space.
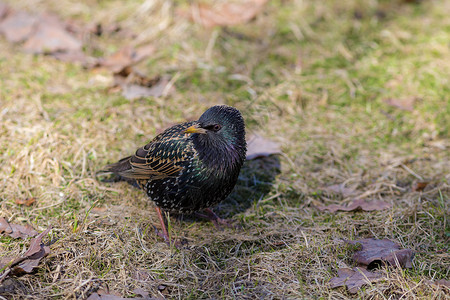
195 129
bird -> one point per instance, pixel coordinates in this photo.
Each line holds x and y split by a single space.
190 166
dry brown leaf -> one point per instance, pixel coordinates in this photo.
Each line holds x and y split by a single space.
358 204
126 57
375 252
22 231
131 75
18 26
403 104
36 243
142 292
340 189
420 186
4 261
30 259
4 10
224 14
50 36
4 226
443 282
134 91
258 146
354 278
104 294
42 34
31 262
26 202
15 230
47 34
133 83
75 57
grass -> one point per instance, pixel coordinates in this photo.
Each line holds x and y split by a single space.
310 75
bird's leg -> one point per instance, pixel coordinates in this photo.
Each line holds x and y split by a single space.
215 219
164 234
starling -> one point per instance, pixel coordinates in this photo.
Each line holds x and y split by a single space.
190 166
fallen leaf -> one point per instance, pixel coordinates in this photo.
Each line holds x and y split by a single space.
31 262
126 57
130 75
42 34
375 252
51 36
258 146
76 56
403 104
15 230
358 204
224 14
354 278
133 83
36 243
141 292
4 10
340 189
18 26
4 226
106 295
26 202
134 91
443 282
22 231
4 261
420 186
30 259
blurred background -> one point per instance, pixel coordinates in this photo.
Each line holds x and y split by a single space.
351 98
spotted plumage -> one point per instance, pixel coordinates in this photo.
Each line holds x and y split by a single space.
190 166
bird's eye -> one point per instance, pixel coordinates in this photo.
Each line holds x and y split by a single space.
216 127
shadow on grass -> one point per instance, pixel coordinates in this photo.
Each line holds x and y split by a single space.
255 181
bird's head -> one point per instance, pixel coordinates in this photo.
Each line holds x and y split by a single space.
220 131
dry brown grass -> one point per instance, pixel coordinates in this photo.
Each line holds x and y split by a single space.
309 75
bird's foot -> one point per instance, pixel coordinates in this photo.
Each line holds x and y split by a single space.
179 245
165 234
215 219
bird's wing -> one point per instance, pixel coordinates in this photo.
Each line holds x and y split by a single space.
162 157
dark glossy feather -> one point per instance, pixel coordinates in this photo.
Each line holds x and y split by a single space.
162 157
186 172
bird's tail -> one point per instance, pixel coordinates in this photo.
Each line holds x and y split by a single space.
118 169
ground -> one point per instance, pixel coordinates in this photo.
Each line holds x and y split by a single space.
315 76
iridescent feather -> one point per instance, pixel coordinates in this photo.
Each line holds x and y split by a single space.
186 172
